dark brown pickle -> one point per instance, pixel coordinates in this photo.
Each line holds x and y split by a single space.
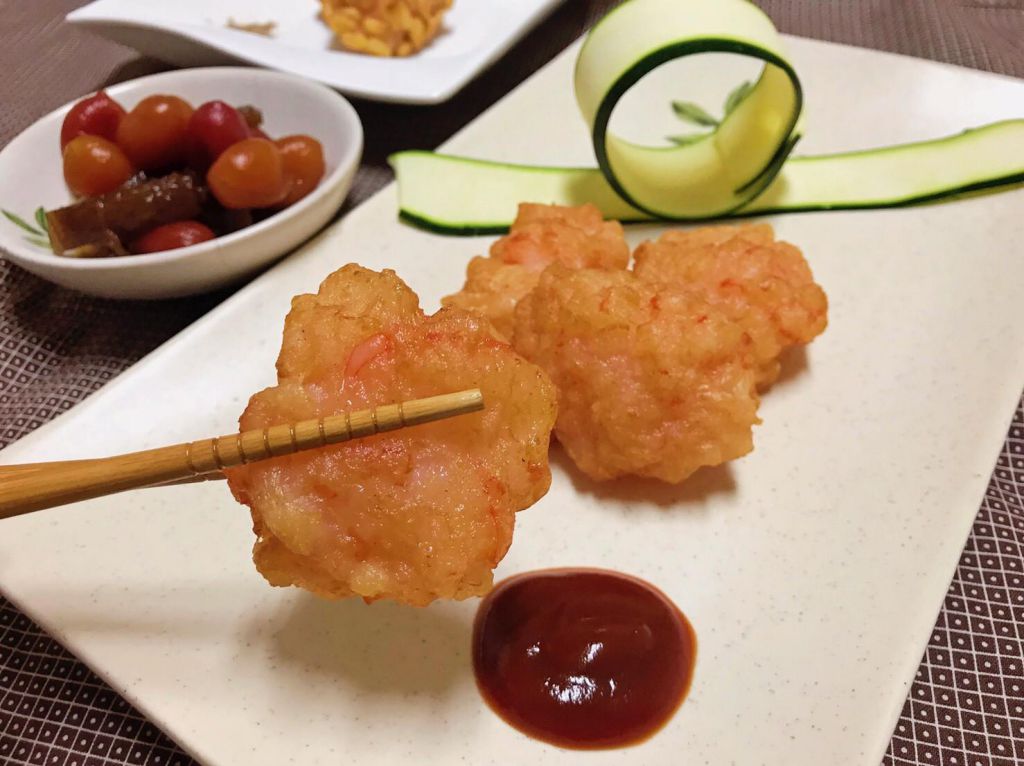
582 658
98 226
253 117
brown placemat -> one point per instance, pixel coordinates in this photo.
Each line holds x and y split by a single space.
966 707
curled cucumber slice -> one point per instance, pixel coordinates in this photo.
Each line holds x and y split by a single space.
742 168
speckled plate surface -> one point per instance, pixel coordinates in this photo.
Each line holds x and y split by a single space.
811 570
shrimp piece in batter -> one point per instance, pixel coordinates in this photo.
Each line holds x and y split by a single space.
762 284
577 237
411 515
653 380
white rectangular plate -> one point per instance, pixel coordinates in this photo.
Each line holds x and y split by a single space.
812 569
195 33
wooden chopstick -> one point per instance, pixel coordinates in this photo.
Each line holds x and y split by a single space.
34 486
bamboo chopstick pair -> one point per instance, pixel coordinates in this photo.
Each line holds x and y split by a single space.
35 486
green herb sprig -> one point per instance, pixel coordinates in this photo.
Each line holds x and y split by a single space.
38 235
695 114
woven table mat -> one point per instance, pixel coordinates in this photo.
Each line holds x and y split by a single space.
966 705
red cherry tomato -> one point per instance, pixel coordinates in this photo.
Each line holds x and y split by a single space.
172 236
94 165
97 115
249 174
153 134
303 165
214 127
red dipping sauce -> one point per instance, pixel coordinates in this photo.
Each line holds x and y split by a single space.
582 658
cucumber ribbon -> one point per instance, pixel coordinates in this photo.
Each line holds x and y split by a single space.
744 167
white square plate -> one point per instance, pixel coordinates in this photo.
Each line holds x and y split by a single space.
812 569
195 33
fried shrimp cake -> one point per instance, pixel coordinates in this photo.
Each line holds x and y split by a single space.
411 515
577 237
764 285
652 380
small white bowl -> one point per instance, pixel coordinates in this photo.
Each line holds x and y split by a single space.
31 176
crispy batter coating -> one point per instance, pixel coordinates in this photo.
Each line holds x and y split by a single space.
492 289
764 285
656 368
411 515
652 380
384 27
577 237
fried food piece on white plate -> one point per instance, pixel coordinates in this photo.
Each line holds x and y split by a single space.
764 285
576 237
384 27
412 515
653 380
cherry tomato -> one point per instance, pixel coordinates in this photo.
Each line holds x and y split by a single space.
94 165
249 174
214 127
97 115
172 236
303 165
153 134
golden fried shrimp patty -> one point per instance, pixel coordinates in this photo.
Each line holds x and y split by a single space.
653 380
492 290
577 237
764 285
412 515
